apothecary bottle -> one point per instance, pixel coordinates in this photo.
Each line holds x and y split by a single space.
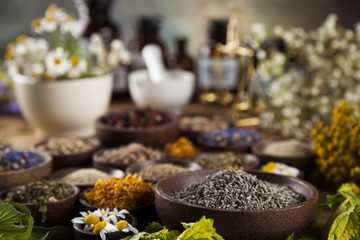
146 32
208 77
181 59
100 22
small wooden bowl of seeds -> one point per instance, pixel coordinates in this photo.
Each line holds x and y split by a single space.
147 126
227 160
69 151
153 171
50 203
84 177
293 152
244 205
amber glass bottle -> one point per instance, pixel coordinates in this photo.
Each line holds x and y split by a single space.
208 78
147 32
181 59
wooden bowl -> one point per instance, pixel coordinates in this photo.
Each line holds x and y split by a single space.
234 147
97 163
305 164
137 167
238 224
65 171
73 160
80 234
57 213
155 137
144 214
10 179
254 161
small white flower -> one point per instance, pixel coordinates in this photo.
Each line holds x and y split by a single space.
37 69
258 29
124 226
57 63
78 66
48 24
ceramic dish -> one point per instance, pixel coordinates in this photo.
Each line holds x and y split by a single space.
155 137
252 161
238 224
206 141
73 160
80 234
57 213
63 172
303 163
10 179
137 167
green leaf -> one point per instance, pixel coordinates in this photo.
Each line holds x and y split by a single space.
201 230
153 227
9 215
346 225
346 191
291 237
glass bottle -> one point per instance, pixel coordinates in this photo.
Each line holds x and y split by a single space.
181 59
147 31
217 74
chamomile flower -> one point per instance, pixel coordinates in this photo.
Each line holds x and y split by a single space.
96 47
78 66
37 69
104 227
124 226
36 26
70 26
89 219
57 63
48 24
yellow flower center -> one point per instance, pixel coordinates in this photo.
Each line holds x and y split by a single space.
10 46
20 38
57 61
9 55
121 225
49 19
69 17
74 61
99 227
35 23
51 9
91 219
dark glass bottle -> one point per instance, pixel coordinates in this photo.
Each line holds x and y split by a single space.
181 59
147 32
99 21
208 78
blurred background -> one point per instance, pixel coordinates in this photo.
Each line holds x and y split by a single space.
185 17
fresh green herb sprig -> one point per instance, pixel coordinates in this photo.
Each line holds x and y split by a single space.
200 230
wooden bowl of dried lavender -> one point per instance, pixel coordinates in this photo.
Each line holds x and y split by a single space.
69 151
50 203
293 152
245 205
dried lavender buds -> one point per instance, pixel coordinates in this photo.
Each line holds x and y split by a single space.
66 146
238 190
136 119
86 176
223 160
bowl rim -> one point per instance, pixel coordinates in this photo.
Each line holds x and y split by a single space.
242 147
75 194
99 124
29 80
94 140
314 194
258 147
47 160
174 161
255 161
64 171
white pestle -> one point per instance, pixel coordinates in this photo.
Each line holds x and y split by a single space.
152 56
